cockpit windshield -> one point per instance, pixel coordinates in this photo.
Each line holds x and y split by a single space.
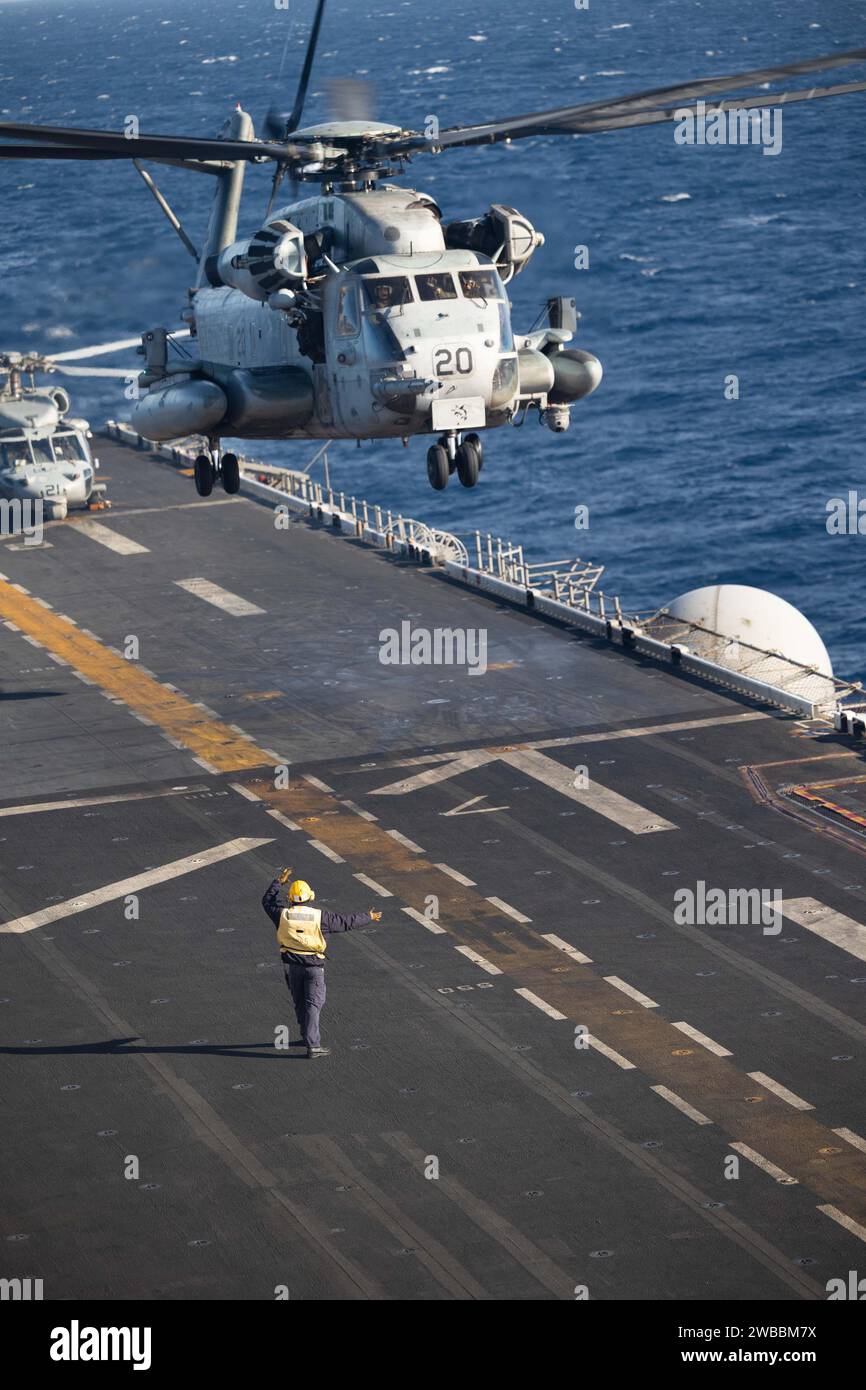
440 286
42 450
387 291
69 447
480 284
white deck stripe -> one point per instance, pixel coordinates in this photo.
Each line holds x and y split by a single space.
456 875
779 1090
113 540
540 1004
850 1225
327 851
220 598
760 1162
403 840
359 811
851 1138
315 782
32 807
487 965
623 812
680 1104
630 990
425 921
509 910
244 791
572 951
132 885
608 1052
284 820
376 887
832 926
702 1038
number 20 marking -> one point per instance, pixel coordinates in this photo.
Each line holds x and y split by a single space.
447 363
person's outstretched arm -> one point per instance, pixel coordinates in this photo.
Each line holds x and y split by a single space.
351 921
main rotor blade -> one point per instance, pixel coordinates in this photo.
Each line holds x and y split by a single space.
102 371
121 345
114 145
571 120
628 119
301 95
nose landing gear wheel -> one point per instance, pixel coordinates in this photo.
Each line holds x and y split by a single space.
437 466
230 473
468 463
204 476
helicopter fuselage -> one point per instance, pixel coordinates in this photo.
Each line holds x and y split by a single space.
44 457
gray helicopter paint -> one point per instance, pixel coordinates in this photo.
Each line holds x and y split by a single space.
418 367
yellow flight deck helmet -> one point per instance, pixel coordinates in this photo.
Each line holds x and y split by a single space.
300 892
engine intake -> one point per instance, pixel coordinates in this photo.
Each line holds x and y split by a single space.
503 234
274 259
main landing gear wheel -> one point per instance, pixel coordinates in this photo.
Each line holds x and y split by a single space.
437 466
204 475
475 441
230 473
468 463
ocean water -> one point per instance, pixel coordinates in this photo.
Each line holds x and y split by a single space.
703 262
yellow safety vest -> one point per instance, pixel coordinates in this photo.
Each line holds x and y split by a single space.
300 930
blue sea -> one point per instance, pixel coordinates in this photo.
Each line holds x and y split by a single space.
704 262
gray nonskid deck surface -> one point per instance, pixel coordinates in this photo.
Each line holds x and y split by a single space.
153 1038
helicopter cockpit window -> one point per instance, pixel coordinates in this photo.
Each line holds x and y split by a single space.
480 284
435 286
42 450
69 447
348 319
386 292
14 453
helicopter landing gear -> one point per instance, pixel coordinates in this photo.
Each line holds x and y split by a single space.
475 441
204 475
468 458
438 466
230 473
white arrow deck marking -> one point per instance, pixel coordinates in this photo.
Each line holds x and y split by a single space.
461 810
113 540
607 803
219 597
132 885
833 926
533 763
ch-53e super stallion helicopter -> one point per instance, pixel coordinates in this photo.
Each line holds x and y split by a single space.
359 313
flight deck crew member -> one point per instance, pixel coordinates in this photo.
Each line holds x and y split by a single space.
301 931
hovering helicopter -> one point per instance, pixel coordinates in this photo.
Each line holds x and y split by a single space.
359 313
45 453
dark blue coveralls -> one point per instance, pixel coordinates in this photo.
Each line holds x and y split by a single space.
305 975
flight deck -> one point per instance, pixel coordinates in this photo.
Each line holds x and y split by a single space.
546 1081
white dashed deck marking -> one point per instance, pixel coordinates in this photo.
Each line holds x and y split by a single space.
376 887
851 1138
220 598
848 1222
630 990
327 851
509 910
456 875
358 810
779 1090
622 811
113 540
540 1004
424 921
832 926
702 1038
760 1162
244 791
572 951
404 841
283 820
487 965
608 1052
315 782
682 1105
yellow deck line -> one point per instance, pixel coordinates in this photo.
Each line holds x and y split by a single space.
178 718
